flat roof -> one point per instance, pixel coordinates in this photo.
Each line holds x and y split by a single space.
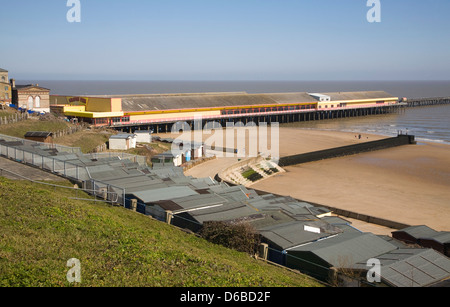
122 136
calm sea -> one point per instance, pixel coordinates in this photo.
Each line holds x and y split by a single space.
427 123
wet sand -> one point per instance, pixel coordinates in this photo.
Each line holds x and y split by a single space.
408 184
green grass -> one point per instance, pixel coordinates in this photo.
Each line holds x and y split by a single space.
41 228
251 175
21 128
87 141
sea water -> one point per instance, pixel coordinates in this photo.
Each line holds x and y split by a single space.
430 123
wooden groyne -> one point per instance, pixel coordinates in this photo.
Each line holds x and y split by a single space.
422 102
347 150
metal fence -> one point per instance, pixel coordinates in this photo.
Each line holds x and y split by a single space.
49 163
105 196
141 160
105 191
60 148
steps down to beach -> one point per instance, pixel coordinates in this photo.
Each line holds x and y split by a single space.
250 171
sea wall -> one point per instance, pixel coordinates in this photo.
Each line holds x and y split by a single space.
347 150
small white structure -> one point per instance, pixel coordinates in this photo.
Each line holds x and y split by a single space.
321 97
198 150
178 157
174 157
123 141
143 136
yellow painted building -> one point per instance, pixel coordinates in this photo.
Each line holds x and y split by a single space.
87 107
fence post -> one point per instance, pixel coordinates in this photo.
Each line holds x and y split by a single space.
263 251
169 215
134 205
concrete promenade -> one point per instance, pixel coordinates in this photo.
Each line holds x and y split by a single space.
25 170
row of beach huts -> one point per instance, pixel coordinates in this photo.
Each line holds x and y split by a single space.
294 233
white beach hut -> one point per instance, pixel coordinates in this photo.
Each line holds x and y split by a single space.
143 136
122 141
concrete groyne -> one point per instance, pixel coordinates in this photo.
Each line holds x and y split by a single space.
347 150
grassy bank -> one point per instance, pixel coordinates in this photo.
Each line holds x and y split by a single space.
86 140
19 129
41 229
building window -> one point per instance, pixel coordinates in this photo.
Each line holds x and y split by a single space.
37 102
30 103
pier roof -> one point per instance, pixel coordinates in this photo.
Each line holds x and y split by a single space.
141 103
171 102
338 96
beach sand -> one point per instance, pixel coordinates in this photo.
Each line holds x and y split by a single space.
408 184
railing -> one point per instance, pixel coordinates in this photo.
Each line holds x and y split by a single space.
212 117
13 118
60 148
67 169
108 195
428 101
105 191
141 160
48 163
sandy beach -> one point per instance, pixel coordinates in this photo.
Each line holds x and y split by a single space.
408 184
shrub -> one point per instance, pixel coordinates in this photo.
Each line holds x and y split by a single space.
241 236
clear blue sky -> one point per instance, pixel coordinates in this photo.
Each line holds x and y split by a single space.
226 40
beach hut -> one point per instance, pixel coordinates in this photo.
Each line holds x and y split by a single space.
38 136
173 157
198 150
143 136
122 141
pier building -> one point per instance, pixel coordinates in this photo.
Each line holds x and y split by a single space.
158 111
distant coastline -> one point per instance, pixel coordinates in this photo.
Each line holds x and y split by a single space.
410 89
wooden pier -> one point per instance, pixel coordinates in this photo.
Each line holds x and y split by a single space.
422 102
290 117
281 118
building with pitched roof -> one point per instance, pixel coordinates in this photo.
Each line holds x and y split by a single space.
30 97
426 237
5 88
159 109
